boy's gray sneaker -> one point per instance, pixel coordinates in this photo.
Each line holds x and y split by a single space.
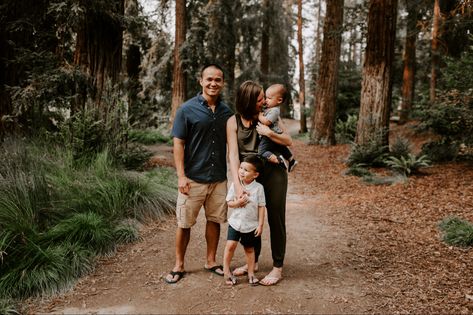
283 163
292 165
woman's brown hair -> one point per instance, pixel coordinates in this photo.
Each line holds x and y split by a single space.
246 98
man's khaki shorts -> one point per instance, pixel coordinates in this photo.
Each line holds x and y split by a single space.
210 196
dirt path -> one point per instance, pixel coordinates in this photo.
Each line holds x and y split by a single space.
317 278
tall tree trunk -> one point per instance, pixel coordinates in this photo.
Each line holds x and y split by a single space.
301 68
409 62
264 61
318 39
435 50
179 77
376 86
323 131
98 48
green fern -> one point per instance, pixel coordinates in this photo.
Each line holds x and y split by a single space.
407 165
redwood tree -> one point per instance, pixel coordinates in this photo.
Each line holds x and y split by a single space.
99 43
409 62
435 50
323 131
179 77
301 68
376 86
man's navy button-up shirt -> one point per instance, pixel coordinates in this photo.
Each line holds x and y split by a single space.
205 136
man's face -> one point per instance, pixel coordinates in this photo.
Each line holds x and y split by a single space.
211 82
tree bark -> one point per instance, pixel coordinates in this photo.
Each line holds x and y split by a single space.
264 61
303 120
323 131
98 48
435 50
409 62
179 77
376 87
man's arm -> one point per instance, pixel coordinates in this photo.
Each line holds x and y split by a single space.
182 181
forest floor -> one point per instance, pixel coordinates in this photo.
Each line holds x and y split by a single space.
351 248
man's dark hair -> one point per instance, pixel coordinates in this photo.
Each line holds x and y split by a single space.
211 65
255 161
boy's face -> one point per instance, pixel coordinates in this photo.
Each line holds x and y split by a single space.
247 172
273 98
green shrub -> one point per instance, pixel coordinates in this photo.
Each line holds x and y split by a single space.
56 216
345 131
370 154
441 151
457 232
148 136
400 148
7 307
358 170
126 232
407 165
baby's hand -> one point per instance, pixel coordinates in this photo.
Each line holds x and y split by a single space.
259 230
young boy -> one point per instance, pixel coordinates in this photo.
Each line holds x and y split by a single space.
246 221
269 150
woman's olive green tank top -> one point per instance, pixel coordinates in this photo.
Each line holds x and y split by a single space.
248 139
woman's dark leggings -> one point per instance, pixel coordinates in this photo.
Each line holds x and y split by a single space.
274 181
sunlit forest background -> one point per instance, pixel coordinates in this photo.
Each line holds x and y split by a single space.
85 86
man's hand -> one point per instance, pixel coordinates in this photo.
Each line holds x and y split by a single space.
183 185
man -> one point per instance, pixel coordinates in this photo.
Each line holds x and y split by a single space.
199 135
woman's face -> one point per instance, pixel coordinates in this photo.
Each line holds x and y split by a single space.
260 102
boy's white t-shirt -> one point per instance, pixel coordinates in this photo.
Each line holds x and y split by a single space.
245 219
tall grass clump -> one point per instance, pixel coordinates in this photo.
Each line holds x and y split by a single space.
57 215
457 232
148 136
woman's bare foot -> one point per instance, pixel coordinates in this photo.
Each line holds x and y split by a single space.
243 270
273 277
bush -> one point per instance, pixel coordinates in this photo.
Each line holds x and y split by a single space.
148 136
56 216
457 232
441 151
400 148
407 165
345 131
370 154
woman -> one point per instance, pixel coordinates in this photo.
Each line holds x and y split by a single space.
242 138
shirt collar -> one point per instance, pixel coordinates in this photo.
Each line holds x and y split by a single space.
203 101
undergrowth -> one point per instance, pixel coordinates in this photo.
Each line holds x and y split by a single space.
57 216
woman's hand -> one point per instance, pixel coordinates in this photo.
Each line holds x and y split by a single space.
263 130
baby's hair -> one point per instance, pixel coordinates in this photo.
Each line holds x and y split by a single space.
255 161
280 90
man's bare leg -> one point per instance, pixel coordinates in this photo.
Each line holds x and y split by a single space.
212 236
182 240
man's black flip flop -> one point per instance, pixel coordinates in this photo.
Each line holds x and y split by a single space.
214 270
